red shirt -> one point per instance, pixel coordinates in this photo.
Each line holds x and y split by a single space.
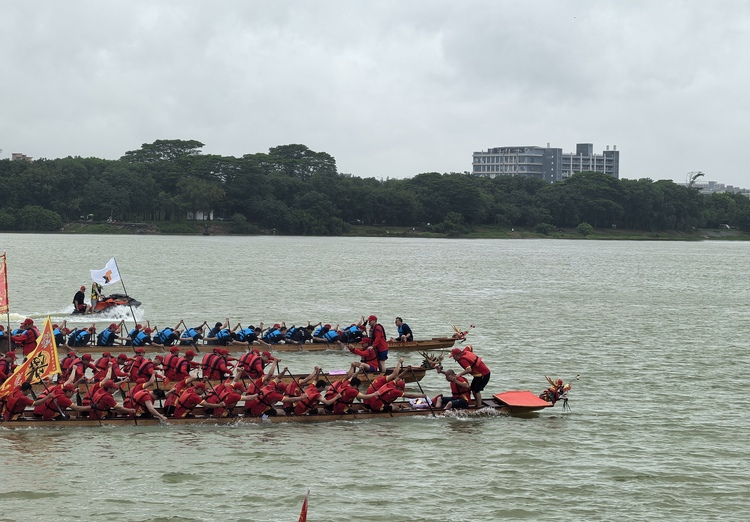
269 397
377 336
15 404
309 402
187 402
48 410
470 360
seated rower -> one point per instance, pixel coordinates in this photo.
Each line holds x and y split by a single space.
348 390
191 398
143 402
167 336
295 388
262 403
382 401
56 402
460 392
17 402
404 332
311 398
299 334
191 336
103 403
7 365
275 334
108 336
326 334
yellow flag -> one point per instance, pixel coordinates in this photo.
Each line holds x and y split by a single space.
40 363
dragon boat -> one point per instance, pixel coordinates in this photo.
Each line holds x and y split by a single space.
436 343
512 403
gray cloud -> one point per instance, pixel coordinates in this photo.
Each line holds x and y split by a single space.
388 88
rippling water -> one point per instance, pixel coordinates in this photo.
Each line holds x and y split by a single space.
658 422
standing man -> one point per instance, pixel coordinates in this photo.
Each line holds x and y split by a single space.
79 302
378 341
474 365
27 337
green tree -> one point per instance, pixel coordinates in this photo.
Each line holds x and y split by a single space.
39 219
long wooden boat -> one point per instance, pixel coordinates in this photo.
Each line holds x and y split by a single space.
507 403
415 374
436 343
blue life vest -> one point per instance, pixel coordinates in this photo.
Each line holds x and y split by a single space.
162 336
290 332
191 332
247 334
223 335
141 339
273 336
82 338
106 338
331 336
132 334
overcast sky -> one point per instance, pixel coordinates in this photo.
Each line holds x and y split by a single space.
388 88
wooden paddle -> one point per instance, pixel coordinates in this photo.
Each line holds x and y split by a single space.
429 402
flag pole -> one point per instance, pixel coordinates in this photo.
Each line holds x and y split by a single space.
122 282
6 307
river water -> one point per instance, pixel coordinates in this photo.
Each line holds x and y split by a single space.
656 330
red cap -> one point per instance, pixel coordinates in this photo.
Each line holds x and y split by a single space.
280 386
200 385
238 386
113 326
86 356
455 352
10 354
26 321
400 384
92 328
372 318
147 331
327 326
71 354
223 351
268 354
139 326
277 325
69 387
54 326
107 354
158 358
365 341
109 383
122 356
2 328
140 349
174 349
83 287
141 381
65 330
190 353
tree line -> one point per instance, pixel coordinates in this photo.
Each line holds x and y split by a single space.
294 190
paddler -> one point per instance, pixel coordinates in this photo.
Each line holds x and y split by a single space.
460 392
474 365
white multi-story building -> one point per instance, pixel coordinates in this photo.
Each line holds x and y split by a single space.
547 163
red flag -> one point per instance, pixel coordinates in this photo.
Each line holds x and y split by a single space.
40 363
3 286
303 513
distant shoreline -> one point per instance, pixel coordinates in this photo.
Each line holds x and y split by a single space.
219 228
